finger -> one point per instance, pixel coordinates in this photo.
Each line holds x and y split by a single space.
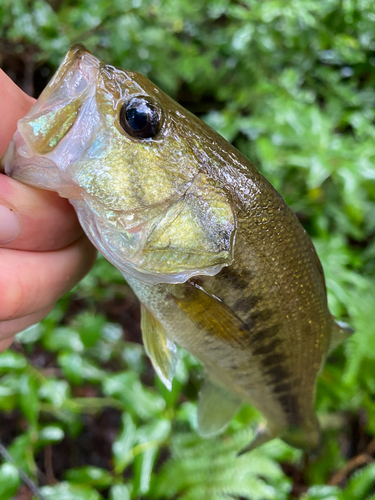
8 329
35 219
14 104
4 344
34 280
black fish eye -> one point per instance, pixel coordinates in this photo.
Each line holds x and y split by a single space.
141 117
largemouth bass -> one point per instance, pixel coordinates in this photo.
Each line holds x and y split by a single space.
220 264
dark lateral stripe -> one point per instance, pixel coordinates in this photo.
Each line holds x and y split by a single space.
246 304
242 305
266 334
238 279
277 373
272 360
264 342
262 315
267 348
289 402
282 389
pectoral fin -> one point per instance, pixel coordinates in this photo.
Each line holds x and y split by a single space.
213 316
216 408
161 350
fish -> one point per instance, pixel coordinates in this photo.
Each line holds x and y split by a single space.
220 264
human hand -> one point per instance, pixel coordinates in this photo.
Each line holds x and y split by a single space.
43 251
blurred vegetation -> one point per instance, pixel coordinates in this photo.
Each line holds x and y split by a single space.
292 85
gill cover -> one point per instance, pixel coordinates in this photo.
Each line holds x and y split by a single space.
144 203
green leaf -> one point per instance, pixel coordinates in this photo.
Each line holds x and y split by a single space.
204 468
77 368
127 388
55 391
361 483
66 491
50 434
28 397
89 327
8 391
134 357
10 360
119 492
150 438
89 476
143 465
22 451
63 338
31 334
124 443
323 492
9 481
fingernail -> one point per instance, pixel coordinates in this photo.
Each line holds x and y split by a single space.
9 225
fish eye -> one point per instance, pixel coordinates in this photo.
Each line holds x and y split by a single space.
141 117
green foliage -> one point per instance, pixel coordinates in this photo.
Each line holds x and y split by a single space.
359 487
198 471
292 85
66 491
9 481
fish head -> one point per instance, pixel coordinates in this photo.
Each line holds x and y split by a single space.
129 159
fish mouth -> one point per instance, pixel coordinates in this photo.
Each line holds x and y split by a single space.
44 146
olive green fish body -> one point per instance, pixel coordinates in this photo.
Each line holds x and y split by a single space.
221 265
279 320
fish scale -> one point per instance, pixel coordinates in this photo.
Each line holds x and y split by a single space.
220 264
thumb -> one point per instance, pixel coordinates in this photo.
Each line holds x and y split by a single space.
14 104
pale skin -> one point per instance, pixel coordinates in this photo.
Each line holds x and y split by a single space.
43 252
